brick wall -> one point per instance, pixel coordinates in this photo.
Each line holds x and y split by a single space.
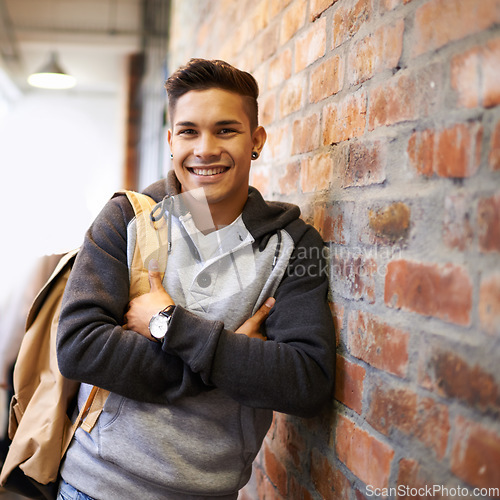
383 123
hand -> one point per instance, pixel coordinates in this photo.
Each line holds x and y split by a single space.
143 308
252 325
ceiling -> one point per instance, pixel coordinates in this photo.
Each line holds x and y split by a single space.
91 37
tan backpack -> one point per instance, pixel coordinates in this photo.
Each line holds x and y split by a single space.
39 419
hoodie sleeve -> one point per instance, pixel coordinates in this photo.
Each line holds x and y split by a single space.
92 345
293 371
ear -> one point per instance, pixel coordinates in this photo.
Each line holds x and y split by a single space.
169 138
259 137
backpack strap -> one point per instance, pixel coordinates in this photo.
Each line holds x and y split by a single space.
151 243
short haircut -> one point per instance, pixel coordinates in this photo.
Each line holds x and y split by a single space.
202 74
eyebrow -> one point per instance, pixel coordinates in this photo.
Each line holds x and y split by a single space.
220 123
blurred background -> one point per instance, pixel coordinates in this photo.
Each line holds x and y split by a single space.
63 152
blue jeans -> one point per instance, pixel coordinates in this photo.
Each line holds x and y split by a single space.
67 492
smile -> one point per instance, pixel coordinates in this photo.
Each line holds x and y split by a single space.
208 171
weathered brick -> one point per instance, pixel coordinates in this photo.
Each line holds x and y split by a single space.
316 173
267 109
494 156
310 46
457 227
334 220
278 143
475 454
306 134
354 277
265 488
366 456
328 480
327 79
276 471
391 223
392 4
489 304
488 220
349 379
439 22
293 19
366 164
404 97
465 77
418 417
338 319
318 7
297 491
277 6
292 96
260 180
280 69
289 183
288 441
345 119
452 152
378 51
377 343
444 292
348 19
450 375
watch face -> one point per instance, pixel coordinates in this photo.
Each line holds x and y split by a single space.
158 326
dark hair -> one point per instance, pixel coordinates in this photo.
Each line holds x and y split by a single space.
202 74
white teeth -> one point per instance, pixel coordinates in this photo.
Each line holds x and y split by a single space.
208 171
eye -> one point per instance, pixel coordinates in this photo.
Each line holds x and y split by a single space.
227 131
186 131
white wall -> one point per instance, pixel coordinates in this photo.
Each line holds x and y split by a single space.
61 157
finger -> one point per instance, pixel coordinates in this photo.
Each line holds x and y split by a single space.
263 312
154 276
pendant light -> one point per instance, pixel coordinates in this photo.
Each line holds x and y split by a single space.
52 76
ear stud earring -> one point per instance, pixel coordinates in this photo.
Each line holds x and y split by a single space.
171 156
255 155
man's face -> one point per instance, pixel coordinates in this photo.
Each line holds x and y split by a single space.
212 142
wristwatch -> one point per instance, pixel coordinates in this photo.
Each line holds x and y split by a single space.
159 323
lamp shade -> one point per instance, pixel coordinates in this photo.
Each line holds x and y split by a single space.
52 76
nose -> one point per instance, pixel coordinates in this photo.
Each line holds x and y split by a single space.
207 147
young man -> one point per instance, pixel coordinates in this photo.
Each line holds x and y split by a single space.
239 327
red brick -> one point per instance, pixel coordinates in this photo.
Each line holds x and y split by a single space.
354 277
306 134
417 417
488 219
489 304
268 109
277 6
288 443
316 173
439 22
475 454
292 96
465 77
280 69
349 379
391 223
365 164
367 457
457 228
333 221
265 46
327 79
289 183
377 343
449 375
318 7
276 471
444 292
489 68
378 51
338 320
293 19
297 491
260 180
345 119
278 142
452 152
328 481
404 97
458 150
310 46
409 476
494 156
265 488
348 19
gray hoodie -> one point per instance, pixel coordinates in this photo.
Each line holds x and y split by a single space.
186 419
